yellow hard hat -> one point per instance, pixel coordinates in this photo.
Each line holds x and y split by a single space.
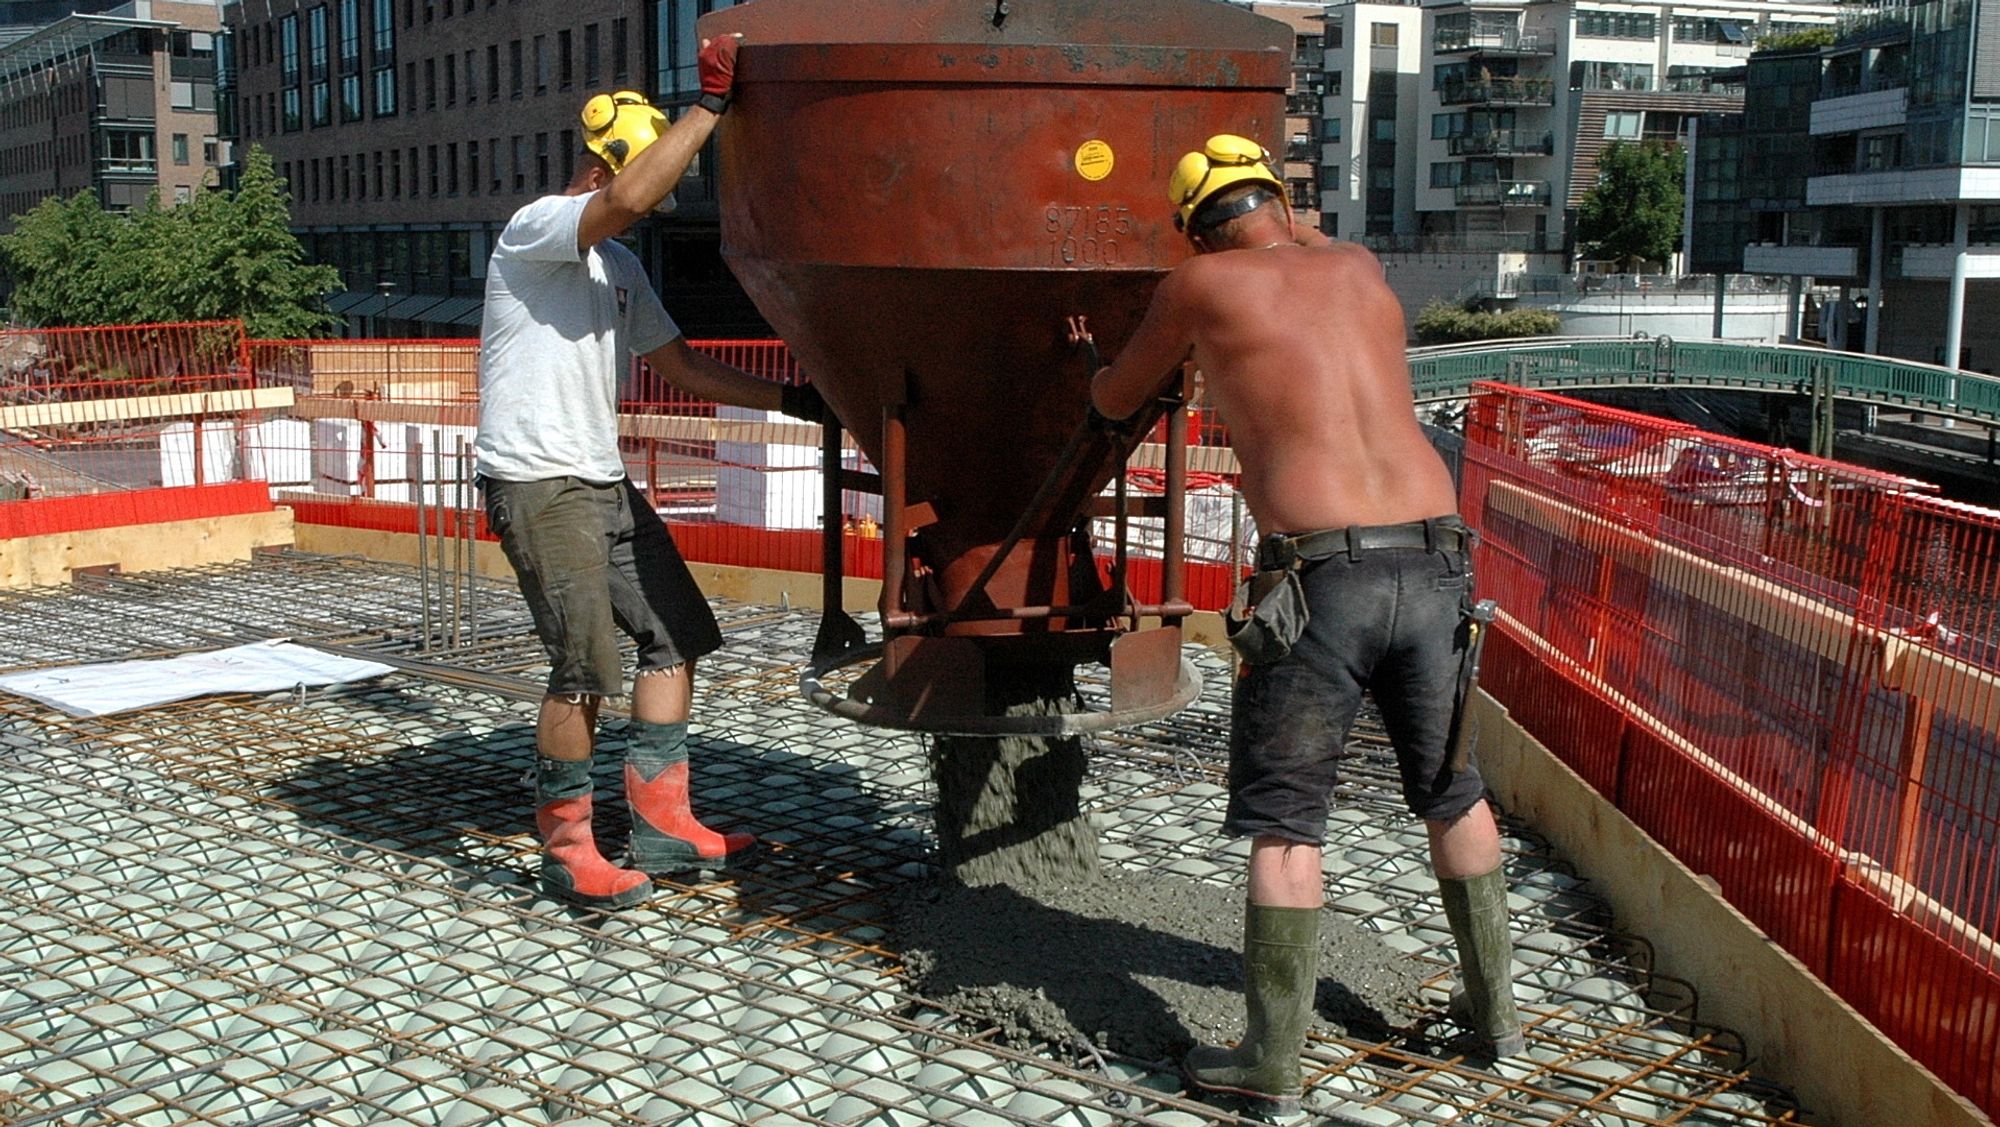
1224 161
618 127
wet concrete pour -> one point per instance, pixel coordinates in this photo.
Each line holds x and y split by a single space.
1144 964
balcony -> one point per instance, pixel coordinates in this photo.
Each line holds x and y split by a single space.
1510 42
1504 143
1813 261
1503 193
1499 92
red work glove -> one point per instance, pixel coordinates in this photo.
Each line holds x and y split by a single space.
716 66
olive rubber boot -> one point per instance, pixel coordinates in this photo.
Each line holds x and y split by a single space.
666 837
1280 975
1484 999
572 868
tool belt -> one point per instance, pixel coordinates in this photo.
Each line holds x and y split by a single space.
1268 614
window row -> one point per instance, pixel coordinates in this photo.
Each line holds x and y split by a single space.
536 162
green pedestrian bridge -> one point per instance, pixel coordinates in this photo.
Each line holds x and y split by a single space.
1561 363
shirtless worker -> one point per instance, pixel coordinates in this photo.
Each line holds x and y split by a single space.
1300 342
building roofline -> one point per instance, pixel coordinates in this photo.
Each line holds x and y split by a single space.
66 36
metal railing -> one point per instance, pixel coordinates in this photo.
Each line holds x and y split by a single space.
1504 142
1503 193
1499 91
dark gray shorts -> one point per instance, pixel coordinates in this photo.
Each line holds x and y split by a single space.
1383 620
593 559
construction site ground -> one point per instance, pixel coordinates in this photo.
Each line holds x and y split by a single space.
317 907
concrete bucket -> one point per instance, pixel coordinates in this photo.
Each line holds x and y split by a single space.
918 194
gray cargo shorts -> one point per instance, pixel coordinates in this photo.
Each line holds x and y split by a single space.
594 558
1385 621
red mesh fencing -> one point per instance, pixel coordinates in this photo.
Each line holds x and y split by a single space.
1804 660
379 425
123 410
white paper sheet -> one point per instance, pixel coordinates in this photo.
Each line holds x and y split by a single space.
121 686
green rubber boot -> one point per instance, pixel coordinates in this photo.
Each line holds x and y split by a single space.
1484 999
1280 973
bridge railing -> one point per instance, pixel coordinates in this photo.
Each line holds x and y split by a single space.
1785 670
1447 372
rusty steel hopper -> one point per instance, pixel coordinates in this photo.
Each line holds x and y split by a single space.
918 194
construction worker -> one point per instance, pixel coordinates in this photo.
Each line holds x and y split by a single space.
1363 582
566 308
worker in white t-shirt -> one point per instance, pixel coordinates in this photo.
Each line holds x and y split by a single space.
566 310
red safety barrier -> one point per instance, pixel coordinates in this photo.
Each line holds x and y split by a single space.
99 412
1805 658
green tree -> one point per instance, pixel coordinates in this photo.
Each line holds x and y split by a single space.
1633 215
1794 40
1444 323
220 256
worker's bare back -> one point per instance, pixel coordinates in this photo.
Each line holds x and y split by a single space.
1301 349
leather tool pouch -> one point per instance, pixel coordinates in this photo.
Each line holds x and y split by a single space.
1267 616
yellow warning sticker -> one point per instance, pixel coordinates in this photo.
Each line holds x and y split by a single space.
1093 160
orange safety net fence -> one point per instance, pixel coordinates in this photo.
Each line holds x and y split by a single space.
1784 669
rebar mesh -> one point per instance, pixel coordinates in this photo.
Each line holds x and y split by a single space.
317 907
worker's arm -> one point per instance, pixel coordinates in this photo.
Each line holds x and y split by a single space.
705 377
639 188
649 177
1154 354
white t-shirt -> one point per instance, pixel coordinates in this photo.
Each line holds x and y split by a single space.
558 330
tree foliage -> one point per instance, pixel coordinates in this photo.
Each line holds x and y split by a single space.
220 256
1633 214
1796 39
1443 323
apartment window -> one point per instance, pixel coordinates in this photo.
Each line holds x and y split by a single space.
1383 129
677 49
1616 25
383 13
211 151
472 168
450 79
451 169
520 163
493 161
492 72
395 177
1329 129
1624 126
541 65
590 73
182 193
378 174
1447 174
541 162
414 181
289 70
1382 179
514 68
1447 125
430 84
431 159
618 64
346 177
568 154
180 146
471 79
1594 75
316 60
1382 34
